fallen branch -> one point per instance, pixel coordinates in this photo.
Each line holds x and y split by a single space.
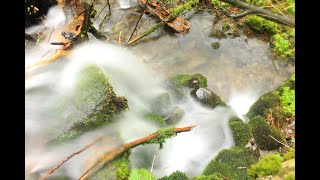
263 13
234 16
108 157
281 142
69 157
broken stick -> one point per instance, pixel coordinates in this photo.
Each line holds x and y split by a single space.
108 157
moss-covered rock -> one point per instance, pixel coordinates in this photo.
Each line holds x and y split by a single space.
217 33
191 81
232 163
262 131
281 46
118 169
155 118
260 24
96 99
175 83
290 154
177 175
207 97
241 132
269 165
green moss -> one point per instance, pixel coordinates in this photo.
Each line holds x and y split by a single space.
260 24
215 176
290 177
177 175
262 131
241 132
268 165
281 46
215 45
155 118
118 169
122 167
191 81
141 174
232 163
289 155
163 134
263 105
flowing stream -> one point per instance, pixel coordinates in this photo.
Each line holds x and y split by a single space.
240 71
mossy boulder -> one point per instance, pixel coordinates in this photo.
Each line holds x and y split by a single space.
207 97
95 98
118 169
268 165
176 83
241 132
217 33
177 175
262 133
232 163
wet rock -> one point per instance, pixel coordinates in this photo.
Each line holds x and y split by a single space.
233 34
161 104
225 27
207 97
175 116
119 26
241 132
217 34
215 45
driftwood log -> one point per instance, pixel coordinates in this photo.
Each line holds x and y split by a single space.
110 156
178 24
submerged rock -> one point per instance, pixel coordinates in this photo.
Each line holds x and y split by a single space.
207 97
233 34
217 34
215 45
161 104
175 116
225 27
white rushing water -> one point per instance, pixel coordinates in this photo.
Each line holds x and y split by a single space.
49 88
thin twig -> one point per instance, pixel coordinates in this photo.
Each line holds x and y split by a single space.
120 33
50 35
143 11
154 158
281 142
69 157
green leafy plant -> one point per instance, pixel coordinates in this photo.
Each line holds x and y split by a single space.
288 100
269 165
281 46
